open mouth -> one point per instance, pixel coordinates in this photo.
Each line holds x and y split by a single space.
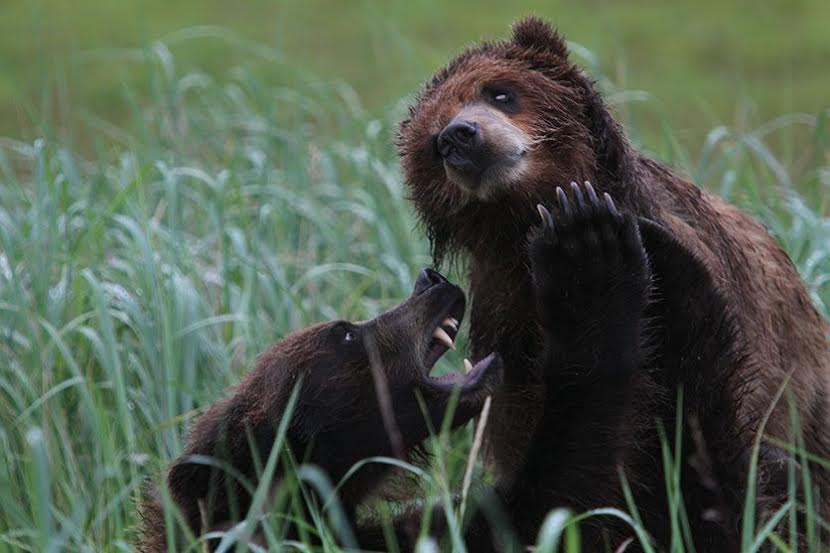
441 339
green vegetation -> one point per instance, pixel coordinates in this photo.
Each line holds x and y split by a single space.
702 63
209 215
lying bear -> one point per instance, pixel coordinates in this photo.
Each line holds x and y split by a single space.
337 419
499 130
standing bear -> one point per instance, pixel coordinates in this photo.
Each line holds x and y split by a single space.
728 323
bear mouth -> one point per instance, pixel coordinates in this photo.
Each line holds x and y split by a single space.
444 329
485 180
442 338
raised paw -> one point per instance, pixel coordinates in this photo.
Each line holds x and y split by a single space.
588 264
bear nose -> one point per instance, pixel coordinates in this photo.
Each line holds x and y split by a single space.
458 136
426 280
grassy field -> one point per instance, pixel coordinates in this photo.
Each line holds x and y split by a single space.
701 63
210 209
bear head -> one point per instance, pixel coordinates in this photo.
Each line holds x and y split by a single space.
342 376
496 131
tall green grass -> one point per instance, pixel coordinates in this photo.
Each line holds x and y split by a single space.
138 283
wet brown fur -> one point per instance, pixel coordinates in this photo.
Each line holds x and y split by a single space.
765 307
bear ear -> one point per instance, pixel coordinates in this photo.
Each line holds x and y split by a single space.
188 481
536 33
215 432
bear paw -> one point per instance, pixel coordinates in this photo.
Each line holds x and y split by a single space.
589 267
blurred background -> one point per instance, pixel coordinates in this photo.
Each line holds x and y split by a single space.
702 63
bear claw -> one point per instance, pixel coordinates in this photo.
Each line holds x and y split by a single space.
592 194
592 205
580 199
609 202
547 218
564 204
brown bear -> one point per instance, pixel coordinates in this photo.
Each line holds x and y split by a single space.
498 131
337 419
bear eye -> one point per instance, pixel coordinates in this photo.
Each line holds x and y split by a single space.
501 97
345 333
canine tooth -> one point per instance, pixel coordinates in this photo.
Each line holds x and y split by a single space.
441 335
467 366
450 322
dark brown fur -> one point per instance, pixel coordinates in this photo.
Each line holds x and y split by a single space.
337 419
774 332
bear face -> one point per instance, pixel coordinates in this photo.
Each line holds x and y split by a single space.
337 368
495 132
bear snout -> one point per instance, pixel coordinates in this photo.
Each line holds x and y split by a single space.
482 150
459 136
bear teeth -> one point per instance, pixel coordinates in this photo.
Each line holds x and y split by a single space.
467 366
441 335
451 322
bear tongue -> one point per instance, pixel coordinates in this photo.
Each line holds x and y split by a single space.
469 379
